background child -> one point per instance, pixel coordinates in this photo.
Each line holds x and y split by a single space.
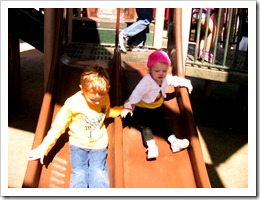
212 29
84 114
145 103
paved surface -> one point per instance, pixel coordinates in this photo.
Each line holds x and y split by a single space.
220 120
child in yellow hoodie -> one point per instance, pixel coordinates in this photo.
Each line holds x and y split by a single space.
84 113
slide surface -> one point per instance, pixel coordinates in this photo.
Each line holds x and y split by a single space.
128 166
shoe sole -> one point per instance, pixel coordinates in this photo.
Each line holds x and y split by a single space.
152 158
140 50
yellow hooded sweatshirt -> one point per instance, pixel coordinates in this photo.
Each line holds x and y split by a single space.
85 122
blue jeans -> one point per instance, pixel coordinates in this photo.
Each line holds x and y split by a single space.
136 28
89 168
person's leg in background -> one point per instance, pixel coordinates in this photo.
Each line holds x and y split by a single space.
131 31
210 38
137 42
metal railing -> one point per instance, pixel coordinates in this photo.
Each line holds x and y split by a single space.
230 24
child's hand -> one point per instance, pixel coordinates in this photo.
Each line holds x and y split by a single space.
37 153
125 111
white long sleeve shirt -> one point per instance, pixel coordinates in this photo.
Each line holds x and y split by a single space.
147 89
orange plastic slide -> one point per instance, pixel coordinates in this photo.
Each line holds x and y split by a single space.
127 162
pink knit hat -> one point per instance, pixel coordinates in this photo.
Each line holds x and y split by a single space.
158 56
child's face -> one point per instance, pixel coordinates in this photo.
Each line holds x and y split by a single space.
93 98
159 71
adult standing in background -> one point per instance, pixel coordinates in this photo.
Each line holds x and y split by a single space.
138 28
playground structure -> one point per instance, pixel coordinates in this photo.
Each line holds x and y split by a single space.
126 158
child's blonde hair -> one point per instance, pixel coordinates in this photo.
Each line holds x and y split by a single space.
95 79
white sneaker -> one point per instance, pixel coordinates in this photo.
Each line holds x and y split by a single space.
179 144
141 49
122 42
152 152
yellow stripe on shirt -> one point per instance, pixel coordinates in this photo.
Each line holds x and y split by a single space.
157 103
